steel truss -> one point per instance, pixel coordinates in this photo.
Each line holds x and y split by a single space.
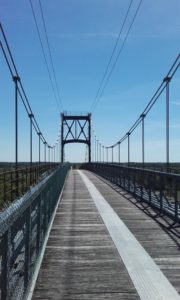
75 129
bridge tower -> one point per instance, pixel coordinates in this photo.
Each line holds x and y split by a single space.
75 129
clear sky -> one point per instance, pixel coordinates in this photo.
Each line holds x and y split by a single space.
82 34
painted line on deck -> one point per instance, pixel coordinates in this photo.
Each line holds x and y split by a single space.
149 281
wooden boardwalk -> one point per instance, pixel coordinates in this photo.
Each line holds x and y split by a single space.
81 260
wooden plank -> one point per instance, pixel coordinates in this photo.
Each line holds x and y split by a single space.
81 261
160 242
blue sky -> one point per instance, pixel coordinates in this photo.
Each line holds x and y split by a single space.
82 34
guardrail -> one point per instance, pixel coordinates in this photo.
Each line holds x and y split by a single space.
173 168
23 227
160 190
14 183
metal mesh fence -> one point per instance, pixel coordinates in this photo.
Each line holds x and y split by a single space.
22 231
14 183
160 190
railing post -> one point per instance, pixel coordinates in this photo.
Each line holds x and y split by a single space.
39 217
103 154
5 265
27 247
107 153
112 154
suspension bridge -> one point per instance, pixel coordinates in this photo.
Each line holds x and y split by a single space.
103 229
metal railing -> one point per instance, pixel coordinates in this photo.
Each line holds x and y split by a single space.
23 227
14 183
173 168
160 190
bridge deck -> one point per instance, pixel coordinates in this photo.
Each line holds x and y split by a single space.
82 261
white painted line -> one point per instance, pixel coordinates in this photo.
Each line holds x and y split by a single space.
149 281
40 258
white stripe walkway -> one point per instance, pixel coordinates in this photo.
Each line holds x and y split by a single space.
149 281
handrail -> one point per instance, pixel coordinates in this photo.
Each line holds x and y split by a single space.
160 190
23 227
